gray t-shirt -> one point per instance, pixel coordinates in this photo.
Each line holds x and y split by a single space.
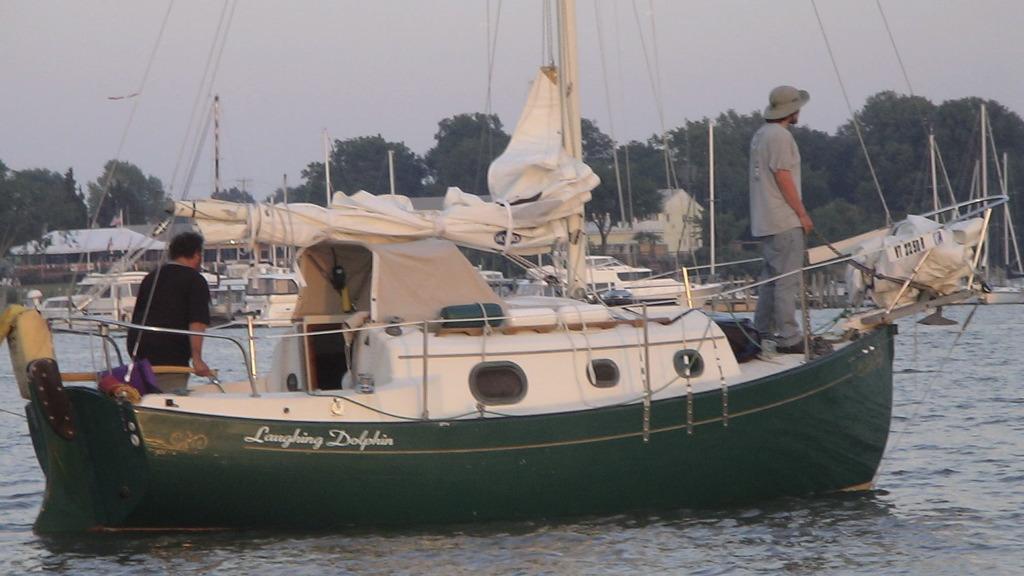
771 149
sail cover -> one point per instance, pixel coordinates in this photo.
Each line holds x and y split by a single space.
931 254
536 184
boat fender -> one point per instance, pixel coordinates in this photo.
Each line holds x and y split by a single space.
29 339
116 388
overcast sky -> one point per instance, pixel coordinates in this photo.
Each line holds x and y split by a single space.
291 69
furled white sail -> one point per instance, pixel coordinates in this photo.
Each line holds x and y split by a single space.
535 184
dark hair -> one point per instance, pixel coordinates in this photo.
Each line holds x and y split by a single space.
185 245
778 120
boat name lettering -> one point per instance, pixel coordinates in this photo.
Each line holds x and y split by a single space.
336 439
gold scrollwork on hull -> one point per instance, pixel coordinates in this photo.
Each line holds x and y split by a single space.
180 441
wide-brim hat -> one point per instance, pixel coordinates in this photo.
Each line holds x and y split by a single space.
785 100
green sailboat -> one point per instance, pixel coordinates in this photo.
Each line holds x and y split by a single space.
411 394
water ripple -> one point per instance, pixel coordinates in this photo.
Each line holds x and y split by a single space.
948 502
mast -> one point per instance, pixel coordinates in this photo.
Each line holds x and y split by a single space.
216 144
284 189
1006 218
1009 217
935 174
984 167
391 170
711 189
984 152
571 140
327 168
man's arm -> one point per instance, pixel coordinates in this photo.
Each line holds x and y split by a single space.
198 365
788 188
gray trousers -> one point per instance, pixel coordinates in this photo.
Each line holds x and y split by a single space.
776 301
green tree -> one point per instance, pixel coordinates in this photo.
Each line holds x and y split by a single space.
839 219
74 213
233 194
957 131
604 208
124 190
35 201
361 163
466 146
649 238
895 131
644 175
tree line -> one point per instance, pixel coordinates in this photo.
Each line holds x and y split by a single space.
838 186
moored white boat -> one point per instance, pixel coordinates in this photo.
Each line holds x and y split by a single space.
107 296
1002 295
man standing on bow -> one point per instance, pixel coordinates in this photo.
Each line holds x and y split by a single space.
778 218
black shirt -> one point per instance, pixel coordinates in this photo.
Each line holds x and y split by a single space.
180 297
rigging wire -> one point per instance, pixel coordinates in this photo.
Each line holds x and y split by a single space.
13 413
108 181
654 77
139 93
910 88
611 120
927 391
853 115
207 80
608 105
486 140
892 40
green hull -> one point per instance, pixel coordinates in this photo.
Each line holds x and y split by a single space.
818 428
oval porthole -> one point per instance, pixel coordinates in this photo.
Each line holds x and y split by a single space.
688 363
603 373
291 382
495 383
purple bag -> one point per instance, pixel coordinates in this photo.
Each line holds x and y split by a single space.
142 377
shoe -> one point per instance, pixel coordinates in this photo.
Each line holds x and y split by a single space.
820 347
797 348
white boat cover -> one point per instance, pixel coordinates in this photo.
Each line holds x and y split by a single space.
535 184
946 251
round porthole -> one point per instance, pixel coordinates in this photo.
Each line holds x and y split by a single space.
688 363
495 383
603 373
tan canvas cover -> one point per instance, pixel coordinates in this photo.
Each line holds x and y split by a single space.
412 281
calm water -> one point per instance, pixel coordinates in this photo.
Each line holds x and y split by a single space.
949 499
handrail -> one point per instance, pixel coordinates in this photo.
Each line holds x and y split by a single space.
988 202
251 377
107 337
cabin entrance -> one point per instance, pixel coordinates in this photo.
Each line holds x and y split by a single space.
337 296
326 356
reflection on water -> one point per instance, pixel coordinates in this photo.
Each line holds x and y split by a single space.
948 499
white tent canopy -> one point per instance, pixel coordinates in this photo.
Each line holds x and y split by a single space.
89 240
535 184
